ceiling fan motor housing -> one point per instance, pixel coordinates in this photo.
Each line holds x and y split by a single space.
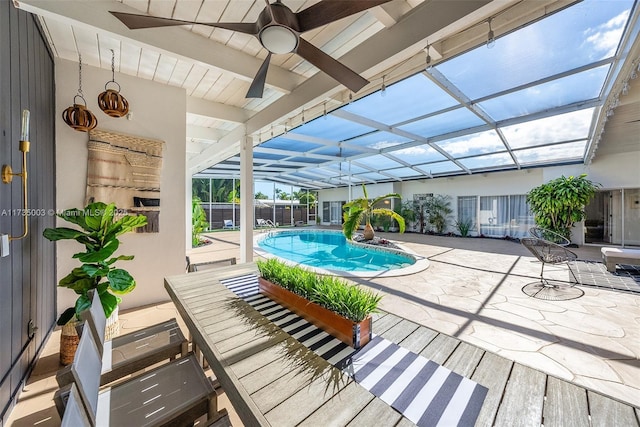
278 29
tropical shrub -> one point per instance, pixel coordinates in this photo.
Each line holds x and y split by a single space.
198 220
558 204
464 226
438 210
362 209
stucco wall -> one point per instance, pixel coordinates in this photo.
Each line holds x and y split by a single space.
611 172
158 111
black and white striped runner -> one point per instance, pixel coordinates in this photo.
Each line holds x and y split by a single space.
423 391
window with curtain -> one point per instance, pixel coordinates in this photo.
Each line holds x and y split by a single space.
502 216
467 209
521 217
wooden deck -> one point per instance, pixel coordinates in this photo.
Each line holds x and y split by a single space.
272 379
518 395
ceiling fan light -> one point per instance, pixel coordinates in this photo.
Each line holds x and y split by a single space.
278 39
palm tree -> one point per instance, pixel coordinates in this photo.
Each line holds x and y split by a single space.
363 208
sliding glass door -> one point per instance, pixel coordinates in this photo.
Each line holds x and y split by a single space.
613 217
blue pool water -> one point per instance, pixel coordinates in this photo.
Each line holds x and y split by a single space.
331 251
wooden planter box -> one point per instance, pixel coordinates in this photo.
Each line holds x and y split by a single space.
351 333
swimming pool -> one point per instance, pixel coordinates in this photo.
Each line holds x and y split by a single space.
329 251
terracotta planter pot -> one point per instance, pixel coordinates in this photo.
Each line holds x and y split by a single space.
351 333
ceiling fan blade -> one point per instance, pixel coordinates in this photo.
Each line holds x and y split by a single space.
268 7
327 11
343 74
134 22
257 85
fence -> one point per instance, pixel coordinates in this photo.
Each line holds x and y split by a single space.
217 213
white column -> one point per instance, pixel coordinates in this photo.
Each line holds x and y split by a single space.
210 204
233 203
246 199
273 208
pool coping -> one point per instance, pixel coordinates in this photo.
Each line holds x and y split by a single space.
421 263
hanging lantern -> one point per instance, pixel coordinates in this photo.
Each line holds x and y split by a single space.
79 117
110 101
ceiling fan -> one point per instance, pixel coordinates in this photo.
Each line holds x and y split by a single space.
278 29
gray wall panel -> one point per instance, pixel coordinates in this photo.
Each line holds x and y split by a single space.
27 275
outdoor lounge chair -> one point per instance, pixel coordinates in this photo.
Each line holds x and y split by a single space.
228 224
260 222
551 253
176 393
131 352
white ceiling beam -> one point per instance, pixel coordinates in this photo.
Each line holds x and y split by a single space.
194 147
174 41
404 39
201 132
390 13
216 110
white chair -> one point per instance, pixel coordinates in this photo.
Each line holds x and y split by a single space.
228 223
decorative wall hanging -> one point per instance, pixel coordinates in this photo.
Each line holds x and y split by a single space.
126 170
79 117
110 101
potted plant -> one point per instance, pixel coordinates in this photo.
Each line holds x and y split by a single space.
364 209
560 203
100 227
330 303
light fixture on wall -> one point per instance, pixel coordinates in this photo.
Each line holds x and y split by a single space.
383 89
427 50
78 116
8 174
111 101
491 40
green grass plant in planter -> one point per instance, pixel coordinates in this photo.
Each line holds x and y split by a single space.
330 292
100 227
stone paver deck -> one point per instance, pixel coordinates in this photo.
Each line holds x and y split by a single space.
472 291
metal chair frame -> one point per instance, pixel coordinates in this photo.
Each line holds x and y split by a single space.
550 253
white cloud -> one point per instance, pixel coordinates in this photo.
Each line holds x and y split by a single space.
605 38
484 142
564 127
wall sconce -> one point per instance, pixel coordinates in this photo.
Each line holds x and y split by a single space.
8 174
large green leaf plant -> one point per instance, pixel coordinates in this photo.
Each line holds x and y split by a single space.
361 209
100 227
560 203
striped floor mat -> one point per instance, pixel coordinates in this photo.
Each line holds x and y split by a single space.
423 391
